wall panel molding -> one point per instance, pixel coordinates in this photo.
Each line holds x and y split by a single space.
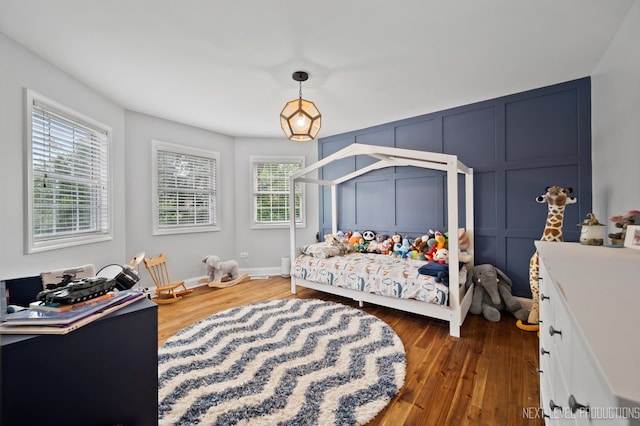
517 144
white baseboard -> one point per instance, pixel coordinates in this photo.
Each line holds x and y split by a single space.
261 272
255 273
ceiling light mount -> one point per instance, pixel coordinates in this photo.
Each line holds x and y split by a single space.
300 76
300 119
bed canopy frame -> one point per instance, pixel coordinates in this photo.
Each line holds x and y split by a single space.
459 301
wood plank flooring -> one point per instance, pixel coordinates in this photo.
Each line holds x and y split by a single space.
485 377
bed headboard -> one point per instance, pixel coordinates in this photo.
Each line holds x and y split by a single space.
377 163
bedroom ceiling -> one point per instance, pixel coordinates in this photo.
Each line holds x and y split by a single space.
226 65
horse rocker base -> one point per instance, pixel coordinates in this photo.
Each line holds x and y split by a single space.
224 284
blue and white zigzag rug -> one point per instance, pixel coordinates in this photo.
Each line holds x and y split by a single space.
289 362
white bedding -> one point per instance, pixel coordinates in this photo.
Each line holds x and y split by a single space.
375 273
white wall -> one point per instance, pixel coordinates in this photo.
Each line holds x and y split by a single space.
267 246
184 251
20 69
615 97
131 158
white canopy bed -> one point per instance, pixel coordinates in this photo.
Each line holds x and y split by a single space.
452 306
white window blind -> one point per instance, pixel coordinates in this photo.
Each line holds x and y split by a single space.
69 177
186 198
271 191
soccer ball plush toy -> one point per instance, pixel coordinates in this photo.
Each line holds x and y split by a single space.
219 270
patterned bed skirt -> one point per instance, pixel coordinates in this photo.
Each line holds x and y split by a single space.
375 273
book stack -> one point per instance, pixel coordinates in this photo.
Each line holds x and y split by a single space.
53 318
41 305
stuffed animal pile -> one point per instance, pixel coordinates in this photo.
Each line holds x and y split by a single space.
433 246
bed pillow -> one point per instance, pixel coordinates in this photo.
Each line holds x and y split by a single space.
321 250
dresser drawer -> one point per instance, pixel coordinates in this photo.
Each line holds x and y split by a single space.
557 405
546 314
556 326
560 330
545 285
544 372
589 388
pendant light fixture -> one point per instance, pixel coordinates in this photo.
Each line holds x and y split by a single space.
300 119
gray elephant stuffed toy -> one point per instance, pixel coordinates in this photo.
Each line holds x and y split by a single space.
492 294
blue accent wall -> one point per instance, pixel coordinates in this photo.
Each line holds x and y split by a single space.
517 144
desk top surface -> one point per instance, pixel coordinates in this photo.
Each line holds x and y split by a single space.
8 339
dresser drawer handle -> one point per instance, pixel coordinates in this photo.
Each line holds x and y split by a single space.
575 405
553 331
554 406
543 297
538 371
544 352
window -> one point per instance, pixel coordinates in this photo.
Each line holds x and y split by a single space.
185 195
271 197
68 191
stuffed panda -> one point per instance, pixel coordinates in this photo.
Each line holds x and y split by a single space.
369 235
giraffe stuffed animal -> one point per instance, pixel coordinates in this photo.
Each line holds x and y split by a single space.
557 199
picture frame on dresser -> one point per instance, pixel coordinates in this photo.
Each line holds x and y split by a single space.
632 237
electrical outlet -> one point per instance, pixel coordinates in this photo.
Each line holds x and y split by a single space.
244 254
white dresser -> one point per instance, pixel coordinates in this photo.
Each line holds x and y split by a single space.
589 334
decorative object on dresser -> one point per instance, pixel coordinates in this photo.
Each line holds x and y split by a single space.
591 231
556 198
452 301
294 361
632 237
621 222
589 329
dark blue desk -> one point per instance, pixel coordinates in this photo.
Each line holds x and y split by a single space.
105 373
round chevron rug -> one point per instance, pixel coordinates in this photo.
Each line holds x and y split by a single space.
293 361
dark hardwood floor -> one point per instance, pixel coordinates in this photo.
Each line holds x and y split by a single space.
485 377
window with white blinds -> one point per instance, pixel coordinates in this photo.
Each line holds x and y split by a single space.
271 191
68 175
185 189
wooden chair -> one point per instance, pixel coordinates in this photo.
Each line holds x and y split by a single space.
166 290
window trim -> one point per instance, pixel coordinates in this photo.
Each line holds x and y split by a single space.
276 159
31 245
186 150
